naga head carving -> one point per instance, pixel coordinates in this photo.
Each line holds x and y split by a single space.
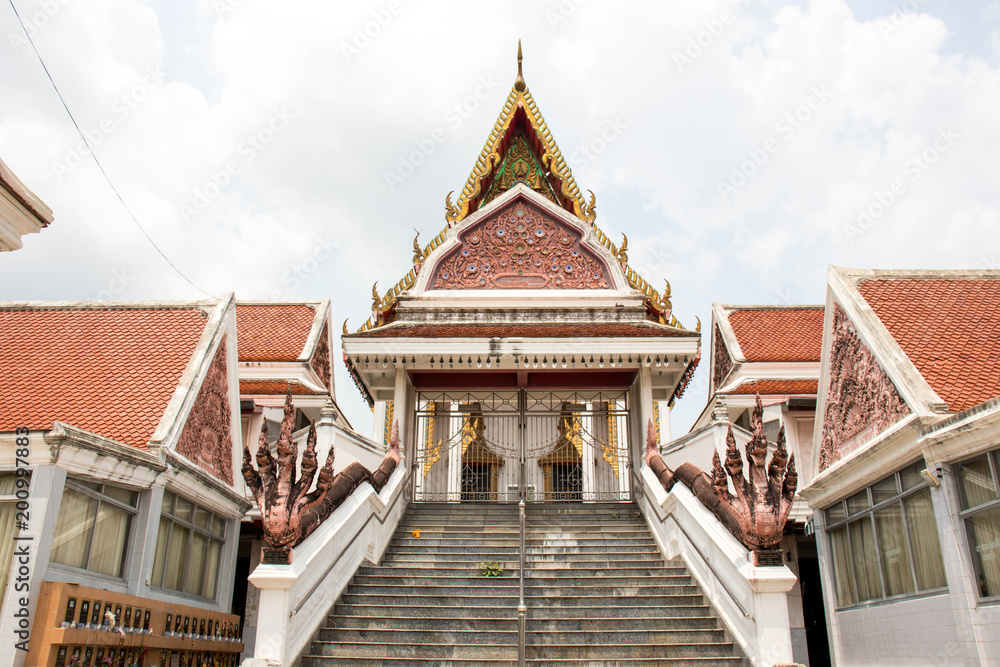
758 510
289 511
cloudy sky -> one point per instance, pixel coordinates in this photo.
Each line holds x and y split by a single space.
287 150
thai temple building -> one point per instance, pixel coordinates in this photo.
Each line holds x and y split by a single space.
179 486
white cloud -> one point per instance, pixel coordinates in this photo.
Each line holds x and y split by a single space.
356 115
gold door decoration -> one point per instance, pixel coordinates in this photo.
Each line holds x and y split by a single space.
475 452
609 449
567 453
432 450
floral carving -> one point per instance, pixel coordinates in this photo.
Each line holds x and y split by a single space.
756 514
861 400
288 511
723 363
520 248
207 439
320 361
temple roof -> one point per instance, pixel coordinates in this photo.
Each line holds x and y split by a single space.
521 149
777 333
273 332
110 369
512 330
947 323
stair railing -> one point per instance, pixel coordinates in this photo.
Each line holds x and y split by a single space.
522 608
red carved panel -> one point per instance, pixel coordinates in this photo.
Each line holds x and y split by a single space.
722 362
207 439
320 361
520 248
861 400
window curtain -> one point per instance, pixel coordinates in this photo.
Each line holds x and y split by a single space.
8 531
110 537
73 529
925 541
212 569
196 564
177 554
984 536
893 550
842 572
865 557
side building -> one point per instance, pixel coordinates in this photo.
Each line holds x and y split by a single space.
904 469
119 507
770 352
285 351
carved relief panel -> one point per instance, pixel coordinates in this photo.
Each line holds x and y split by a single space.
520 248
207 438
861 400
723 363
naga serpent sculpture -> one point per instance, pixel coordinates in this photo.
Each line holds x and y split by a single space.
756 515
288 512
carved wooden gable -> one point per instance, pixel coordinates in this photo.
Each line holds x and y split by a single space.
320 361
722 362
520 247
207 439
861 400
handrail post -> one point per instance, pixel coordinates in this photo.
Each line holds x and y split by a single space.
522 608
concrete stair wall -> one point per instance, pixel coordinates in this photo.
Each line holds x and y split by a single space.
597 589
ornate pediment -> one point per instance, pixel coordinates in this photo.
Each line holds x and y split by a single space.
861 400
520 247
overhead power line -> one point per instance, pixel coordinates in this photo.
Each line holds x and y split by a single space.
93 154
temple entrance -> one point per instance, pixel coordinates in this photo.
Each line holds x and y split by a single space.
502 446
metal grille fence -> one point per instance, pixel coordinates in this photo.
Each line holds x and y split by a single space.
502 446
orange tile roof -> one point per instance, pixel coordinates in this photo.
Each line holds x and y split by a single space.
777 387
272 332
614 330
950 330
108 371
779 334
275 388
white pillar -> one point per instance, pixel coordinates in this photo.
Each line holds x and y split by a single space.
587 439
46 489
454 447
378 421
773 640
274 582
664 409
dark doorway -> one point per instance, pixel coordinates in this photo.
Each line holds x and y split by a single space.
813 610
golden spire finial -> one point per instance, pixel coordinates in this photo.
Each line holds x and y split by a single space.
519 84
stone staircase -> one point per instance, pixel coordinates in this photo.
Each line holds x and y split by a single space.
597 589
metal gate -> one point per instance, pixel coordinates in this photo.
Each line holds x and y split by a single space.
501 446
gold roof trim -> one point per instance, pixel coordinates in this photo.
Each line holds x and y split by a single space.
489 158
553 159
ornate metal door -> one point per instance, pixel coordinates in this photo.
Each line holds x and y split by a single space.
500 446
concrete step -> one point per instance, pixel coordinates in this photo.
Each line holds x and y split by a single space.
597 588
395 622
497 587
582 625
370 609
570 599
326 661
629 636
467 601
615 611
623 651
422 636
441 651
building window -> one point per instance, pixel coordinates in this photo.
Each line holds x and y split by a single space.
979 485
9 519
188 548
92 531
885 540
